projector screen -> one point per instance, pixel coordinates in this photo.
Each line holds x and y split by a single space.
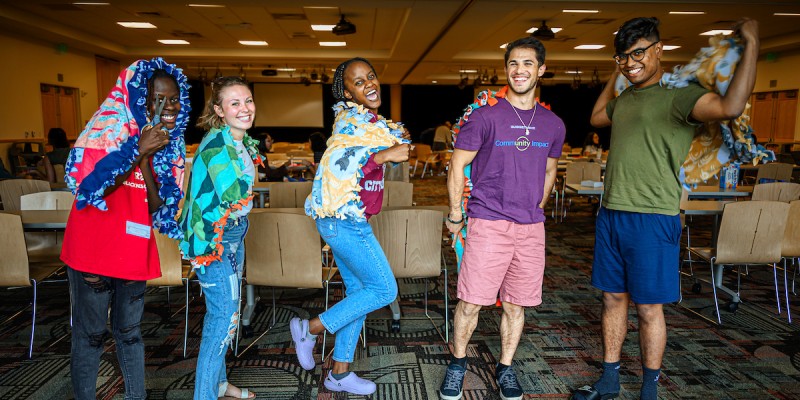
287 104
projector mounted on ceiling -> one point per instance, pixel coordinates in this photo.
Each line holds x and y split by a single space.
544 32
344 27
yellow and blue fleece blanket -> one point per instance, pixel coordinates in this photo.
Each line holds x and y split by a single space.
357 134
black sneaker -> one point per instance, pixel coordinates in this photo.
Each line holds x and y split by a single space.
453 385
509 385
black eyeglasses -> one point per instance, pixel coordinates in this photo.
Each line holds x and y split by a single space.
636 54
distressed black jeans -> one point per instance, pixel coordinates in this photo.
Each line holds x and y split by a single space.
92 296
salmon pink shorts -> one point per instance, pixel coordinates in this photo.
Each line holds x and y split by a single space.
502 257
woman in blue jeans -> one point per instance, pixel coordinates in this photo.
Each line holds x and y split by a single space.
347 190
214 221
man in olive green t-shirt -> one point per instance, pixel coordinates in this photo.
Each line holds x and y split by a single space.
637 242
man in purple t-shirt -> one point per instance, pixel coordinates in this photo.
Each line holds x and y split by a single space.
514 148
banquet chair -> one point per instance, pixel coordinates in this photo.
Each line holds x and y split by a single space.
45 244
576 173
776 191
412 242
774 172
426 156
284 250
790 247
173 273
398 194
17 270
751 233
12 189
289 194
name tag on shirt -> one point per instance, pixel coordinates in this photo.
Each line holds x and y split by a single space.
136 229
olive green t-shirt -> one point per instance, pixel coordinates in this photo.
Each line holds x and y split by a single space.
651 133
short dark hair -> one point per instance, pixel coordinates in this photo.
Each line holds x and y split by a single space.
527 43
58 138
318 142
633 30
338 77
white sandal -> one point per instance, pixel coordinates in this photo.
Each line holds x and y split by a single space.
245 393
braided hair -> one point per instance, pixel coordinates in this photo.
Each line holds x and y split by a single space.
338 77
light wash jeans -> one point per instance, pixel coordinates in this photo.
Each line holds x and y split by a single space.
220 284
91 297
367 277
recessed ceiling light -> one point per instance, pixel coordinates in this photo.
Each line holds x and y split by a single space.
434 81
668 47
787 14
589 46
573 72
717 32
555 30
89 3
468 71
326 28
286 69
253 42
687 12
333 44
581 11
504 45
206 5
173 41
137 25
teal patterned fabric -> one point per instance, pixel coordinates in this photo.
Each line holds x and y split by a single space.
217 187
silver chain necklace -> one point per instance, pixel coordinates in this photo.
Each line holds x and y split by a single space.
527 127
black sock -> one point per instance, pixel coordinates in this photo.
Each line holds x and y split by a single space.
609 381
462 362
649 383
341 376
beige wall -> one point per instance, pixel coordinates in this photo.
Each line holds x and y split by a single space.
784 70
25 66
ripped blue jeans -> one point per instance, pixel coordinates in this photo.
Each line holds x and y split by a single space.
220 284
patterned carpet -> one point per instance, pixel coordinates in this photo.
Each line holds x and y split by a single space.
754 355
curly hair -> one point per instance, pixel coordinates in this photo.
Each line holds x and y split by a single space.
633 30
210 119
338 77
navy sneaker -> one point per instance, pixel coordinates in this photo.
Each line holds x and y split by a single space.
453 385
509 385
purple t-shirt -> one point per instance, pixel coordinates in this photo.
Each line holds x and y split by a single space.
508 171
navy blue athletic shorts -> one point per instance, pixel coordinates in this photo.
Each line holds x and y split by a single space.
637 253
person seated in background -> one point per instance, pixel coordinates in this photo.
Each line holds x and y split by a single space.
591 145
57 139
319 143
443 138
280 173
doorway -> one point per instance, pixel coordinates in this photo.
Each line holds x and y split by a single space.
60 109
